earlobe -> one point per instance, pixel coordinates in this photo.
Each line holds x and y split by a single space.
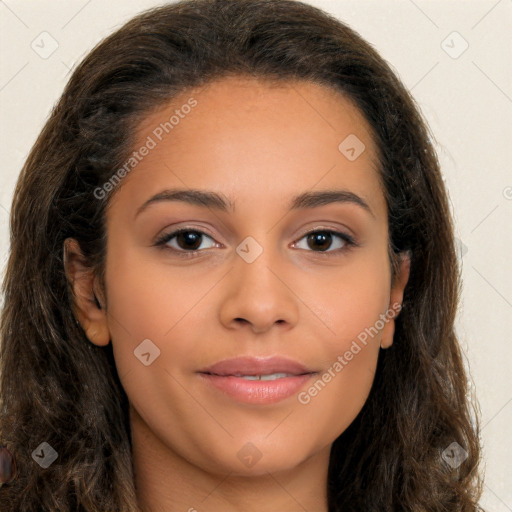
396 298
87 308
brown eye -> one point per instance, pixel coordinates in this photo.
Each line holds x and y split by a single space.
320 240
184 240
323 240
188 240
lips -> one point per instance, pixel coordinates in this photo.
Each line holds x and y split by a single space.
253 366
253 380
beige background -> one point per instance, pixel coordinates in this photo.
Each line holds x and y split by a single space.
466 97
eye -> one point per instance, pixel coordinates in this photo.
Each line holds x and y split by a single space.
322 239
185 241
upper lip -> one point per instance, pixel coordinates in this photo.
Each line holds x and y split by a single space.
256 366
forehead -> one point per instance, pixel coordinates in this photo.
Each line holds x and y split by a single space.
258 106
239 133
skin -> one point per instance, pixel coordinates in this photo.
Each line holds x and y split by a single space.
259 145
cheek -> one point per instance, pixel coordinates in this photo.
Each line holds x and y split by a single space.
137 310
352 299
350 353
352 306
147 298
150 301
334 399
151 313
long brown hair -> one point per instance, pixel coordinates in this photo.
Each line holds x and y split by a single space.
59 388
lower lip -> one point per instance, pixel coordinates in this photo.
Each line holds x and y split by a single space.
257 391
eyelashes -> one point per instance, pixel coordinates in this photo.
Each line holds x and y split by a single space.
191 239
318 235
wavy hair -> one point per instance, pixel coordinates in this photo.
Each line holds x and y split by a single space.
58 387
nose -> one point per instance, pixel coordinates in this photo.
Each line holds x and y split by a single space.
260 295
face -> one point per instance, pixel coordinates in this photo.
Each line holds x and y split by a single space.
281 270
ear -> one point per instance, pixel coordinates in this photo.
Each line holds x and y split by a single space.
396 298
88 309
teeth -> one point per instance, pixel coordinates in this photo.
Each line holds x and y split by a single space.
271 376
274 376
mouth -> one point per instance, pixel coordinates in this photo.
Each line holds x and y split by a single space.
270 368
257 380
270 376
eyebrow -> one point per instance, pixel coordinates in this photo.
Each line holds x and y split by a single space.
216 201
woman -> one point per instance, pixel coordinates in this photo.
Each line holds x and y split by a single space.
258 372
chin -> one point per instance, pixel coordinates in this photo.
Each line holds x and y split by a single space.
251 461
